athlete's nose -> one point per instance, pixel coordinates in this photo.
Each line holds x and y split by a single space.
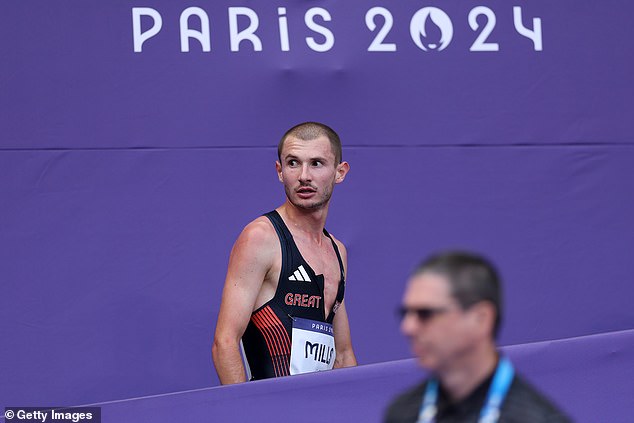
305 175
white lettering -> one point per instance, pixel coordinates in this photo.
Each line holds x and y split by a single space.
377 43
310 23
283 24
480 43
535 34
141 37
431 29
186 33
246 35
75 417
31 415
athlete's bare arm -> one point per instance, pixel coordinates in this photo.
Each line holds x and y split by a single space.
345 354
251 260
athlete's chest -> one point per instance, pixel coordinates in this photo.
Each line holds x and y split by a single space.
310 277
323 260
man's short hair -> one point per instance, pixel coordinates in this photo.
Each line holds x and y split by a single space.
308 131
472 279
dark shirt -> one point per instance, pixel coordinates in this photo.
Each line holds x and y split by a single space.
299 293
523 404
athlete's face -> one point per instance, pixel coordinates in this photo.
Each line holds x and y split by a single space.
309 172
441 333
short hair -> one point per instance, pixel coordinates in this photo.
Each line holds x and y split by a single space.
472 279
308 131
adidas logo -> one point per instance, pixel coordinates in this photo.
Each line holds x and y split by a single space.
299 275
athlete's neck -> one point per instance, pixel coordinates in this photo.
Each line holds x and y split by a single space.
463 378
311 222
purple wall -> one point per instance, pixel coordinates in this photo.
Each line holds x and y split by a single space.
126 176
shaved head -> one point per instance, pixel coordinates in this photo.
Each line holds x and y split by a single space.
308 131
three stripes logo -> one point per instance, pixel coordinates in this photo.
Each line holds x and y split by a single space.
299 275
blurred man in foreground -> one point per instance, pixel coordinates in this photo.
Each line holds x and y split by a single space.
451 313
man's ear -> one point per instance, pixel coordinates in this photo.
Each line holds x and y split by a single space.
278 169
484 317
342 170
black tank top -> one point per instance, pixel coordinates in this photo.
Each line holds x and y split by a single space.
300 293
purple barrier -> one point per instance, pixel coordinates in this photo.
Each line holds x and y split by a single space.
591 378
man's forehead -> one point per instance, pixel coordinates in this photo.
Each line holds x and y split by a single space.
319 146
428 286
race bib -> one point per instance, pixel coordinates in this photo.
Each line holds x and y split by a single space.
312 346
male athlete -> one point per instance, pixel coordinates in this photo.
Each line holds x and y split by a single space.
283 294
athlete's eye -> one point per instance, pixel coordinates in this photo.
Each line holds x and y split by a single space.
292 162
317 163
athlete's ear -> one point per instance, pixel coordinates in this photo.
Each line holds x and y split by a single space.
342 170
278 168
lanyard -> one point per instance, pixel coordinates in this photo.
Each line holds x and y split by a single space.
490 412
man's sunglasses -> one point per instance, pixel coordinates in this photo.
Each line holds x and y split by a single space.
423 314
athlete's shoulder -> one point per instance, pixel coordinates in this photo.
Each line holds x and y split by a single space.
257 243
259 232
